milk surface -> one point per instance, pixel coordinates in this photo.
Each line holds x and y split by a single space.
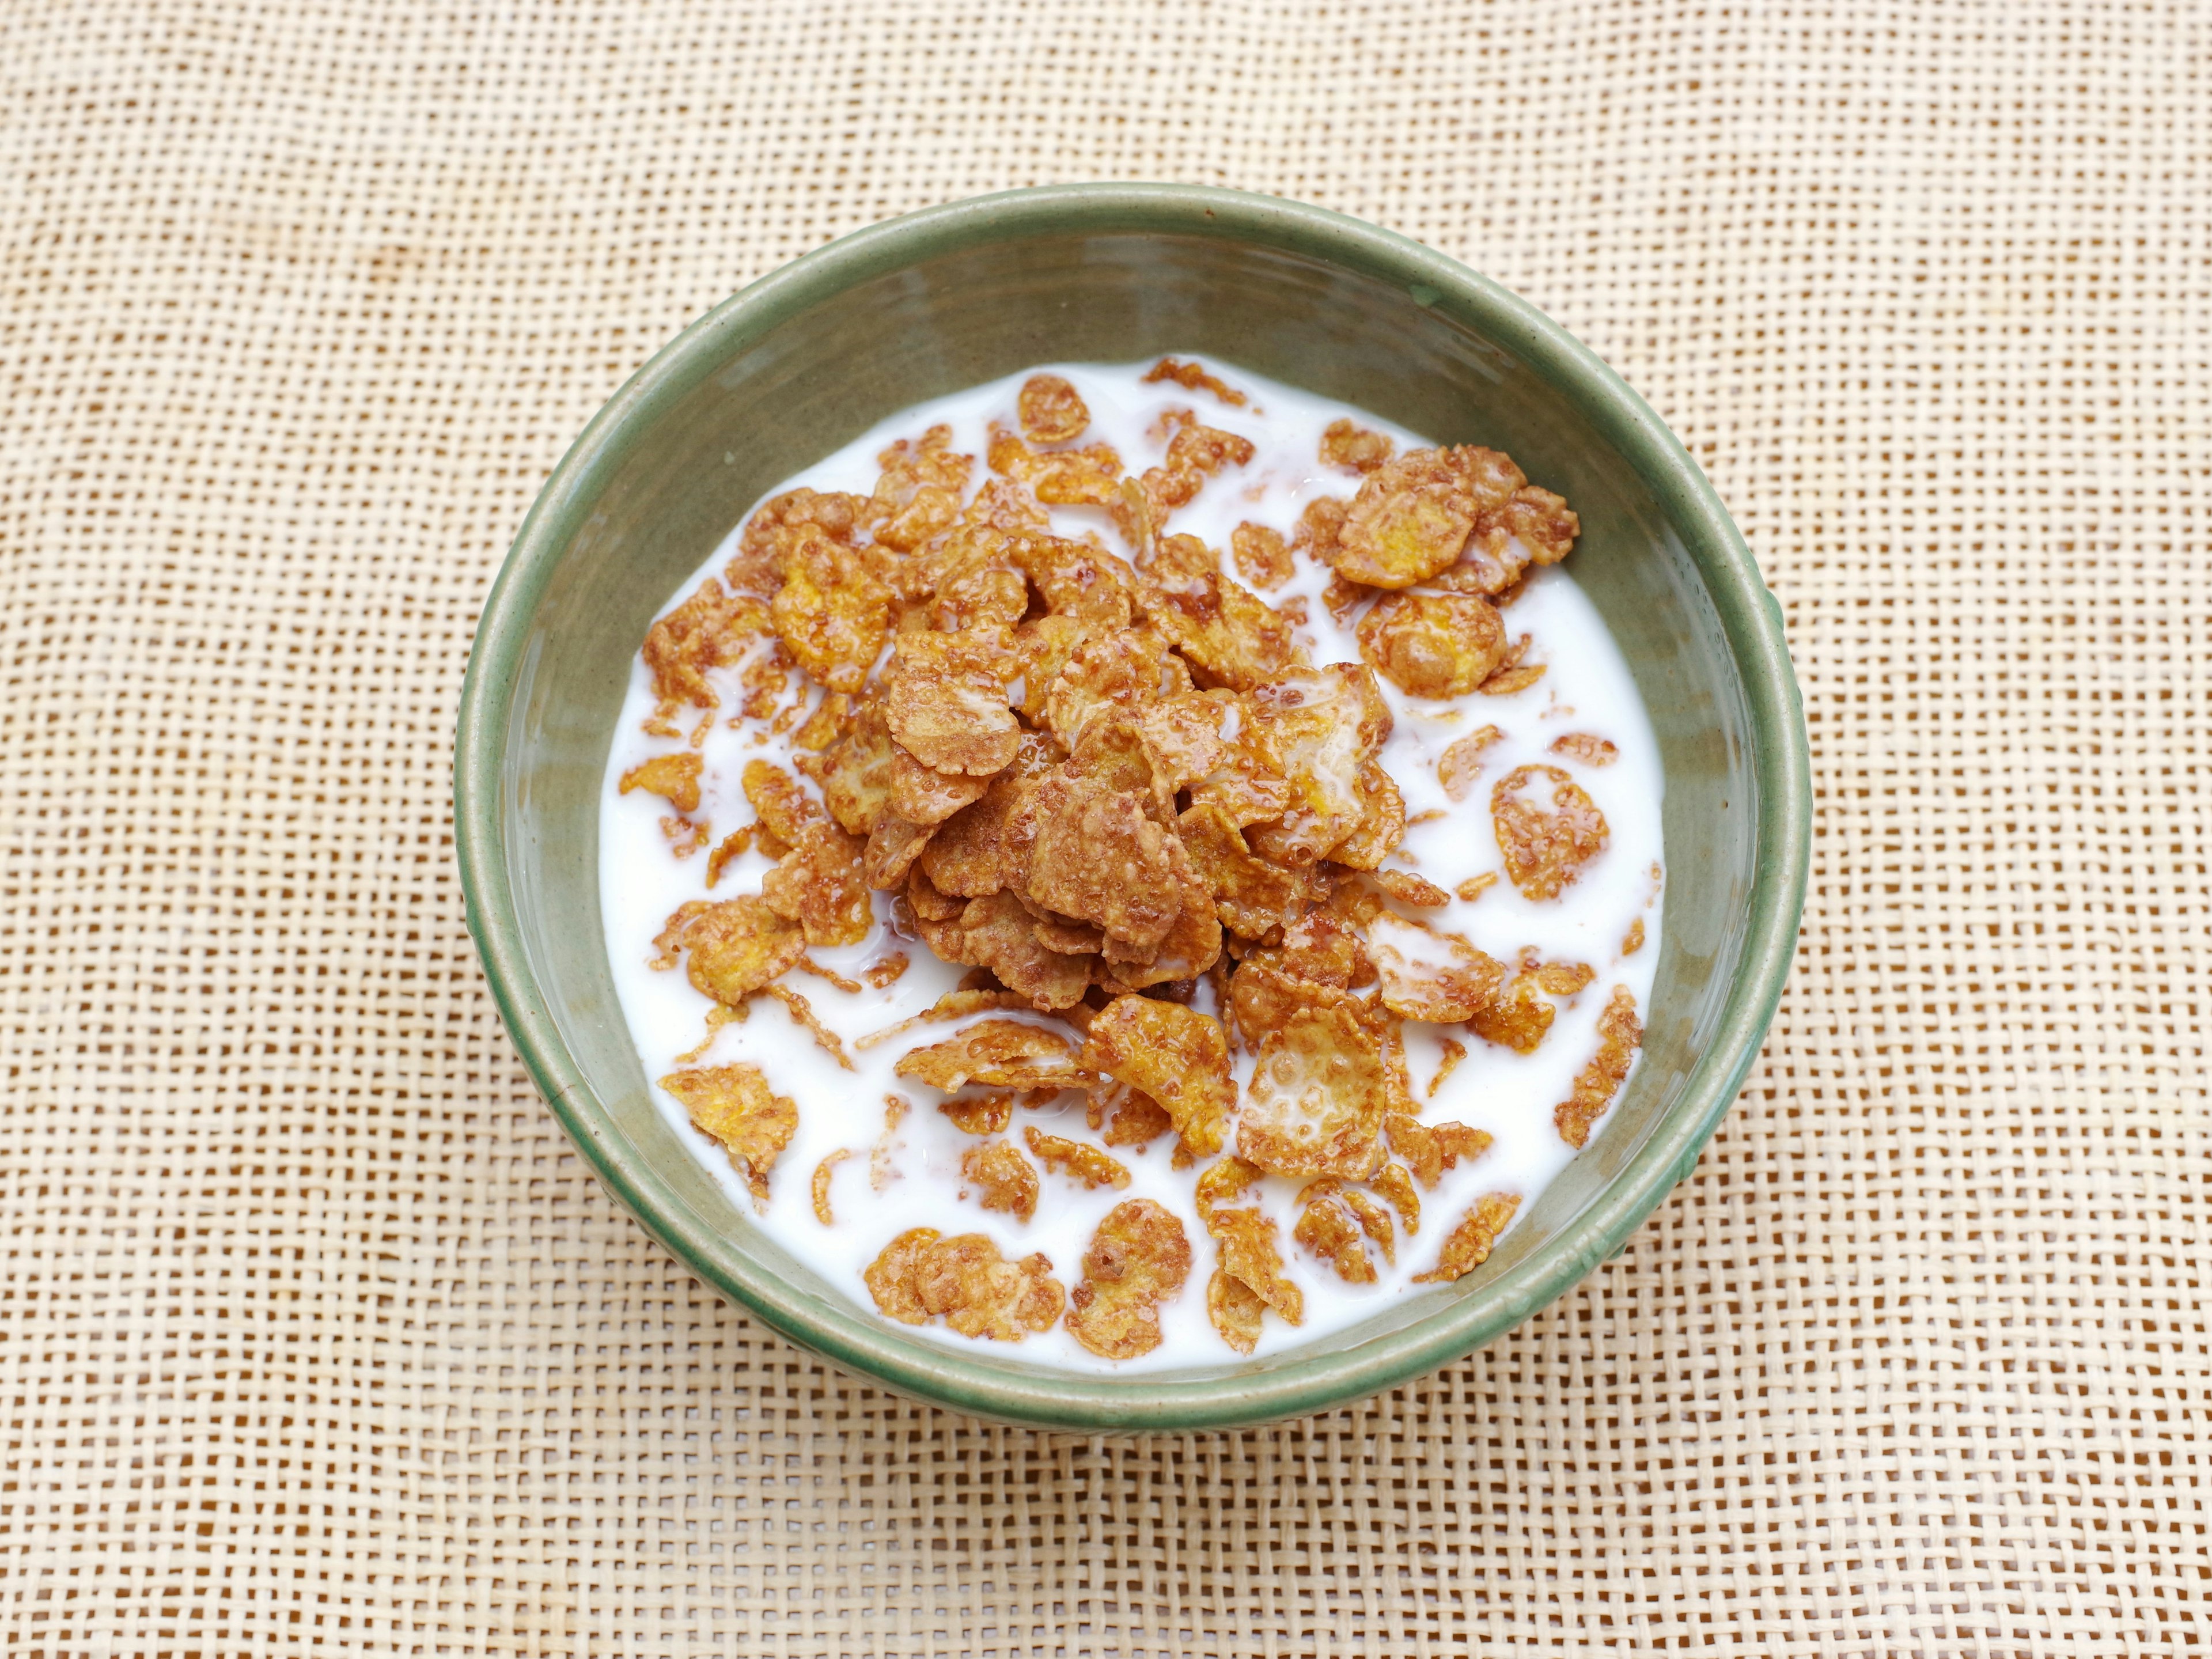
1587 689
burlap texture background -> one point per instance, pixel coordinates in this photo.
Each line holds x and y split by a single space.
314 1335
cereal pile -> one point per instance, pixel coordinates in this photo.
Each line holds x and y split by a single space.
1113 786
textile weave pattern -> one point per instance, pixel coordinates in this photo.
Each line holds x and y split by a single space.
316 1336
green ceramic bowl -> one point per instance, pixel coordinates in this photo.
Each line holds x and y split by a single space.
803 362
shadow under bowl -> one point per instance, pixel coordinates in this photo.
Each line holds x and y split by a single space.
805 360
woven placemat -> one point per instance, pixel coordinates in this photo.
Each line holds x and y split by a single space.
314 1333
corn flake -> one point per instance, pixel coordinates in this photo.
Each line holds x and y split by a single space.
1003 1177
734 1105
735 946
1249 1253
924 797
832 613
1314 1103
821 885
1433 644
711 629
1252 897
1050 410
978 1294
1317 730
823 1172
1469 1243
1002 1053
1090 476
1531 526
1396 1184
1353 447
1413 516
1193 377
1138 1259
1263 556
1461 764
1326 1226
1075 1160
1229 635
1096 857
773 532
853 772
674 778
944 699
1545 850
1381 823
997 932
1236 1310
1177 1055
1620 1035
1431 975
1430 1149
1586 747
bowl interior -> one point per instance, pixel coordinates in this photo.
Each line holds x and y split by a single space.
666 474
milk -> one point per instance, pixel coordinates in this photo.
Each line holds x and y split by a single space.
1587 689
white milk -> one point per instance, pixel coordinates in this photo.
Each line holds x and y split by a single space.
1587 689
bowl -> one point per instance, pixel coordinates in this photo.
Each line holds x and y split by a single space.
805 360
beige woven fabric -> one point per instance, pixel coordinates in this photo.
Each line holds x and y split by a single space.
314 1334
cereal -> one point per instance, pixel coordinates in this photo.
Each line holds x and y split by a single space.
821 885
1246 1239
1469 1244
923 796
1433 644
1097 857
1620 1035
1382 822
996 932
823 1212
978 1292
1138 1259
802 1014
758 567
1318 730
1326 1227
1063 477
1413 516
1409 889
1229 635
735 947
1078 1163
832 613
1461 763
1177 1056
1586 747
1430 1149
1545 850
1236 1310
711 629
1117 744
1006 1053
944 700
1453 1052
1263 557
1003 1178
674 778
1252 897
1530 527
785 809
854 772
734 1105
1193 377
1354 447
1051 410
980 1114
1314 1103
893 846
1395 1182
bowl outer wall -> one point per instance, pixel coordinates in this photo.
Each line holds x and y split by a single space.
1748 617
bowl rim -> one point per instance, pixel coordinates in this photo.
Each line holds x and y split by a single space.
1751 622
